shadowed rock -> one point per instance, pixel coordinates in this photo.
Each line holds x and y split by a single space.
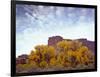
52 41
21 59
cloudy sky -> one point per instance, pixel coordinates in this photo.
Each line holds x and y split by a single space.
34 24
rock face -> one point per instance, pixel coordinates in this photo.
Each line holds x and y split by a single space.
89 44
52 41
21 59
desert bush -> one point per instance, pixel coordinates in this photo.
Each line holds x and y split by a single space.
43 64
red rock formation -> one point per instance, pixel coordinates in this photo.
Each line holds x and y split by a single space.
89 44
21 59
54 40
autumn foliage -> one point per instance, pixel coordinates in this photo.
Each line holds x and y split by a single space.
66 55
